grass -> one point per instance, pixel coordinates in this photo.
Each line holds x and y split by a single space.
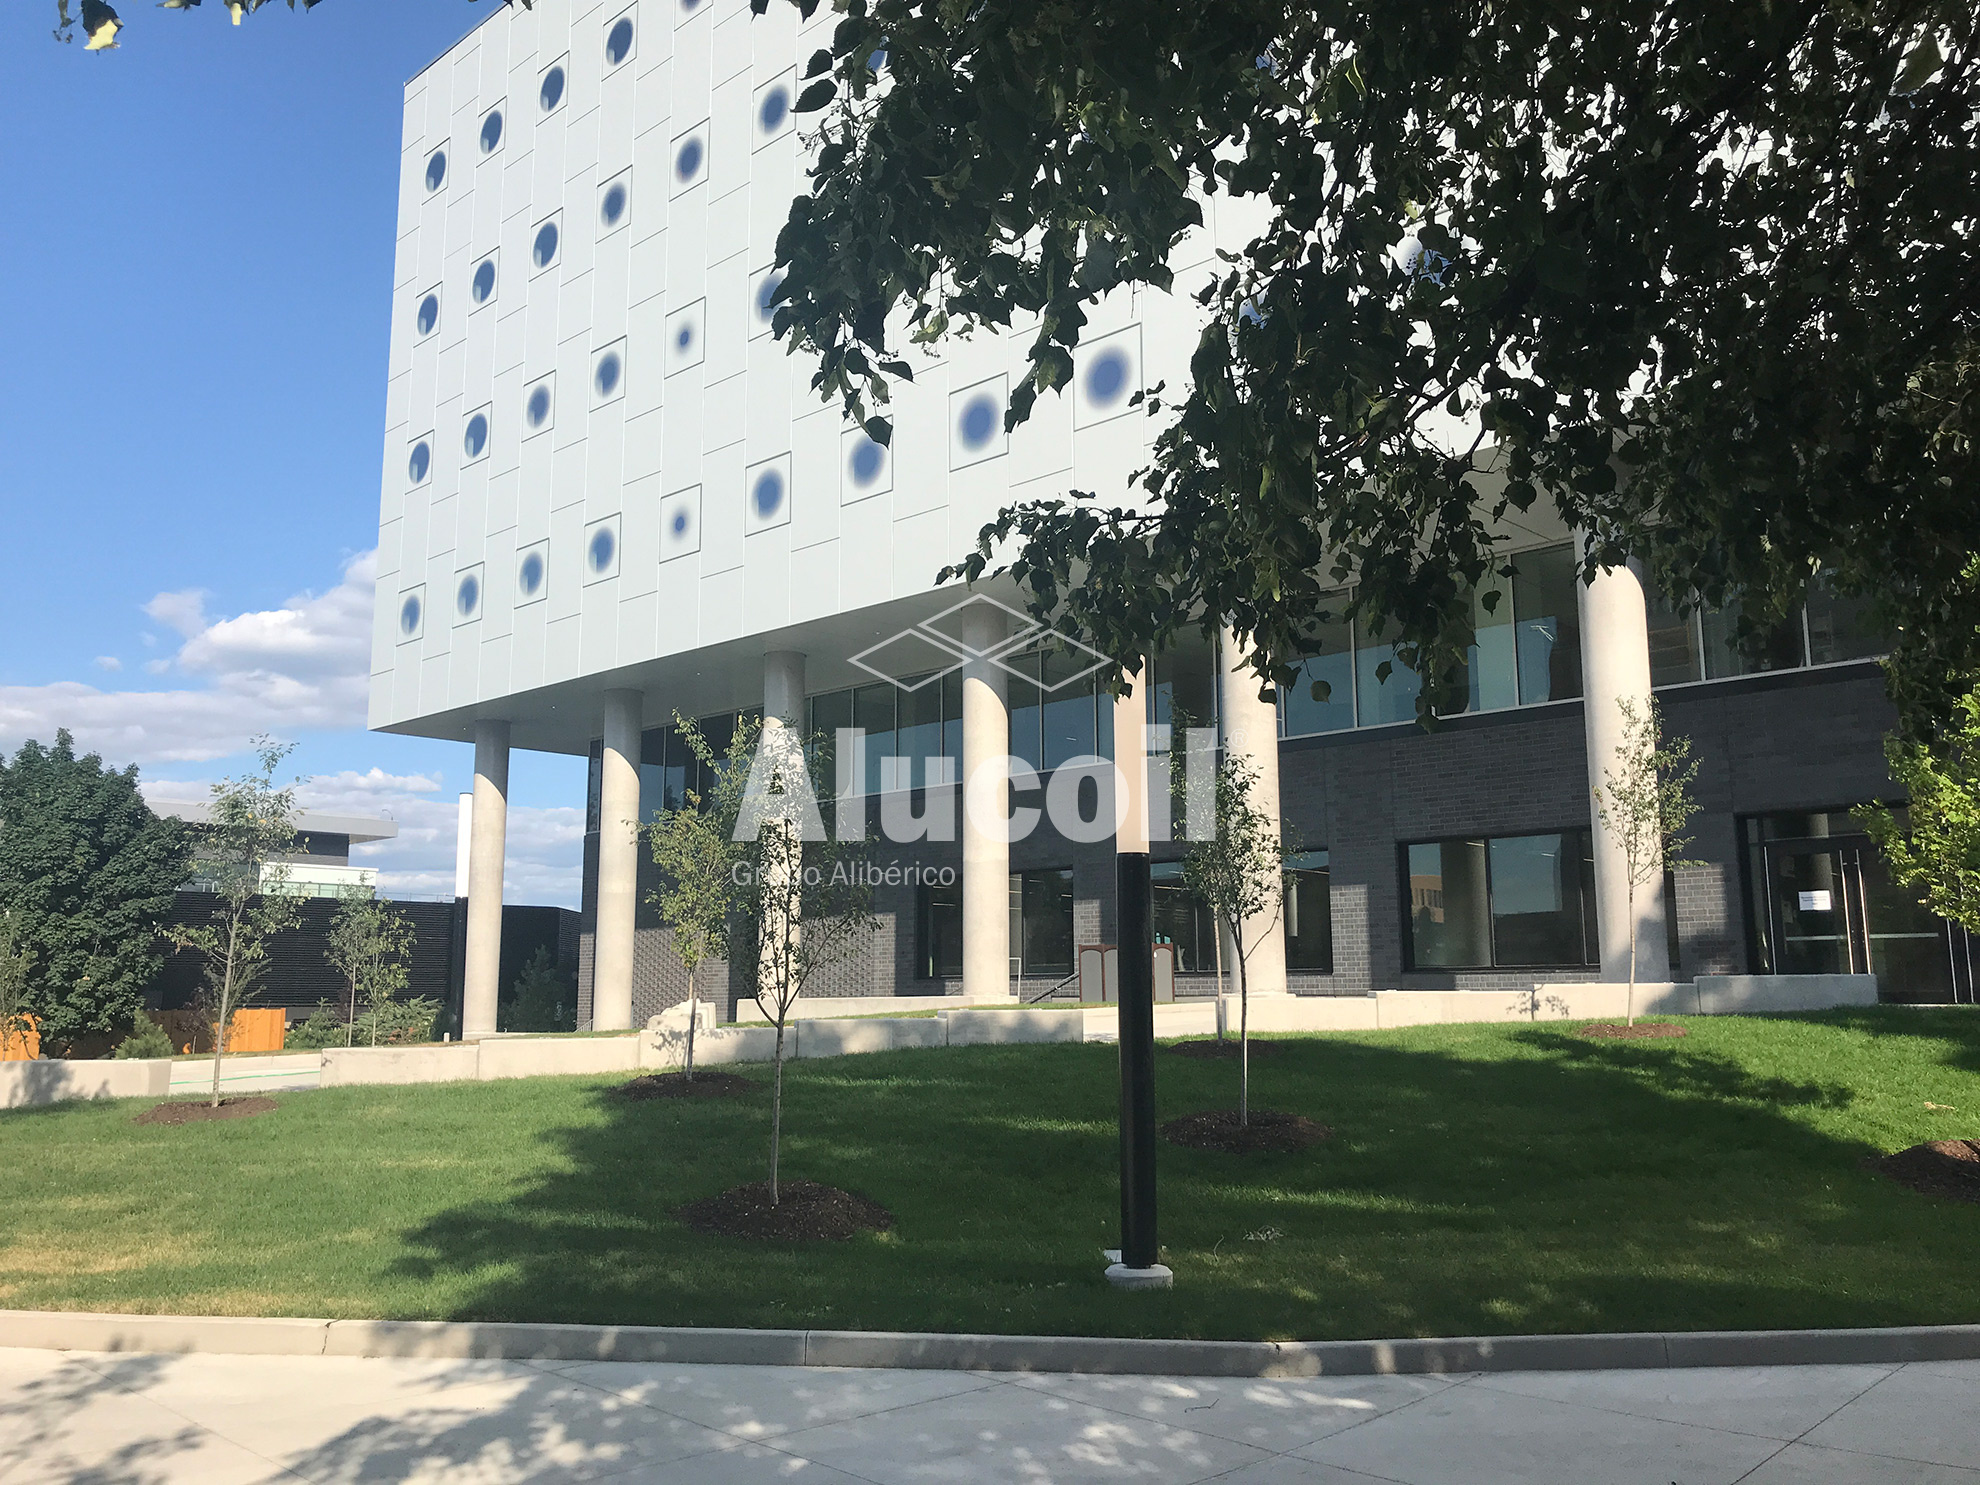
1482 1179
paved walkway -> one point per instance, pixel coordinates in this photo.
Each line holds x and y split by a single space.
98 1418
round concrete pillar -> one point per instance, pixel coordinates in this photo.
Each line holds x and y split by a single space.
487 842
986 847
1251 732
618 863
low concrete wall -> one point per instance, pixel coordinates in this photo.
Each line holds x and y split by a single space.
814 1008
1732 995
454 1063
268 1074
24 1084
535 1057
733 1044
992 1028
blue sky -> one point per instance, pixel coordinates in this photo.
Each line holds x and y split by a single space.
198 268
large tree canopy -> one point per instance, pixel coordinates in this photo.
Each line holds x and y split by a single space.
89 872
1702 274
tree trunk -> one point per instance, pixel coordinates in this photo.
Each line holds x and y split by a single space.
1217 938
777 1106
350 1020
1244 1028
1629 1002
694 1015
220 1033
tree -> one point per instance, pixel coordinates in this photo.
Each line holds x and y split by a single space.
369 944
1701 275
250 826
1239 872
543 996
1644 802
16 964
87 873
100 23
699 895
1933 844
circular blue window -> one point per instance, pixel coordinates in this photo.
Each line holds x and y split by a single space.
429 314
468 597
978 424
484 281
867 459
687 160
603 545
436 170
553 89
776 107
476 437
689 7
613 208
1107 377
684 338
610 369
618 43
420 463
679 524
491 132
529 576
409 614
539 407
768 493
766 298
545 249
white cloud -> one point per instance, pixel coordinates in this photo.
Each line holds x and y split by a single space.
301 667
108 662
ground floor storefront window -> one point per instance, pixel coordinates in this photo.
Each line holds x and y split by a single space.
1501 902
1309 913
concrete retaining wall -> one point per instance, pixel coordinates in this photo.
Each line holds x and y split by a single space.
533 1057
458 1062
25 1083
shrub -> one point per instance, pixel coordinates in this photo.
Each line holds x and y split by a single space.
397 1023
543 997
147 1039
324 1028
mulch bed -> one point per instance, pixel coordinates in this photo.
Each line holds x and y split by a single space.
1938 1168
1227 1049
805 1212
1219 1130
201 1111
1610 1031
674 1085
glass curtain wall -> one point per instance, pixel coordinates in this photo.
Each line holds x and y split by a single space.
1506 902
1309 911
1042 922
1184 919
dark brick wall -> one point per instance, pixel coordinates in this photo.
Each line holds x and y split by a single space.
1795 740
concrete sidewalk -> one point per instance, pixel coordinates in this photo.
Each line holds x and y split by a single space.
129 1418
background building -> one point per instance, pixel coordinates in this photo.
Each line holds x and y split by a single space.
609 496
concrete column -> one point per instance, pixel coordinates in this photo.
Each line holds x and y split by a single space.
1615 662
618 863
1131 762
986 846
1251 732
481 984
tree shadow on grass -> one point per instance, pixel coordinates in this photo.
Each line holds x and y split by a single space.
1529 1182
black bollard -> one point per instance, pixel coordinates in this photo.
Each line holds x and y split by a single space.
1139 1248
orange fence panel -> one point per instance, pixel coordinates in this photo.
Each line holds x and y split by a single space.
260 1029
21 1046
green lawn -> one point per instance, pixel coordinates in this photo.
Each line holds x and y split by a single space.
1482 1179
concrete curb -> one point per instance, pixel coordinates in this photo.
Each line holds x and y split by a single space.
55 1330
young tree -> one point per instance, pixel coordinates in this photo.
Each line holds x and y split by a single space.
1645 802
252 823
1934 847
16 963
88 873
369 945
700 894
1239 872
543 996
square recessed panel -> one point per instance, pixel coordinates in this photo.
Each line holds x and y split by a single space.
539 406
601 550
552 84
687 159
608 373
770 108
767 494
533 573
477 432
426 312
1106 375
621 40
494 127
470 593
412 614
546 242
615 203
484 281
865 467
763 286
680 523
687 329
419 460
976 423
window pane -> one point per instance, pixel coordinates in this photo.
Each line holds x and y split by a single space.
1673 644
1494 676
1185 683
1536 900
1379 701
920 735
1321 697
1547 619
938 922
1022 698
1449 925
952 718
1182 918
1046 921
873 710
1309 913
1068 718
1780 650
830 712
1841 628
